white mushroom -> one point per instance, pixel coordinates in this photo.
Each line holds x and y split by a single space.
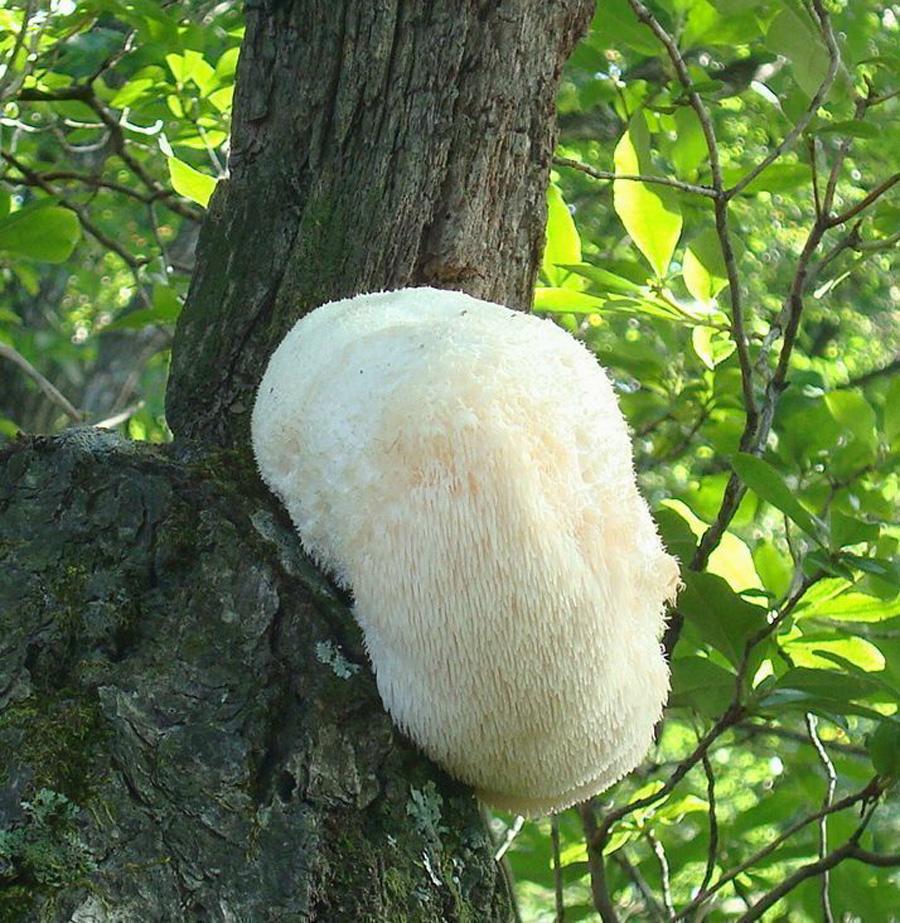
466 472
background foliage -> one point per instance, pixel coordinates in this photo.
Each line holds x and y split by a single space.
738 288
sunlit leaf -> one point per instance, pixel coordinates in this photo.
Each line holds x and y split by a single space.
563 243
651 214
704 267
812 652
689 149
191 183
711 346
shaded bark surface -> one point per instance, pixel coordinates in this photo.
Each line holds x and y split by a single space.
188 726
172 665
374 146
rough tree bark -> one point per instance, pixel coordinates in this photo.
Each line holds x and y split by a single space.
188 726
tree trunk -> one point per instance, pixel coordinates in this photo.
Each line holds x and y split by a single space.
188 726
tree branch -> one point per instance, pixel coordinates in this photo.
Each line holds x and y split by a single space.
825 760
557 869
719 198
850 850
864 203
599 888
834 60
732 716
99 235
870 792
713 846
646 892
890 369
49 389
707 191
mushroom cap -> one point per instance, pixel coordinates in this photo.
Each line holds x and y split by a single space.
465 470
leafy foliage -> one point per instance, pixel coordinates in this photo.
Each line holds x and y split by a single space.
722 225
744 305
114 130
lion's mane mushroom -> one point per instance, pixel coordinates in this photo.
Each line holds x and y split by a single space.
465 470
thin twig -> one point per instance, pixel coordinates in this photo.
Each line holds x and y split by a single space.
511 833
634 177
84 219
892 368
869 793
631 870
660 854
557 869
49 389
849 850
117 419
719 198
713 846
865 202
834 60
815 176
599 889
812 726
788 734
8 81
85 93
732 716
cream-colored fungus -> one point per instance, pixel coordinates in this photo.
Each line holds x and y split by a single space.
466 472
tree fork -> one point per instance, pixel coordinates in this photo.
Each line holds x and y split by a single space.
374 146
188 727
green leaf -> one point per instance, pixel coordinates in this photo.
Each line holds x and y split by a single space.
823 692
855 414
689 149
676 534
222 98
884 748
165 310
892 411
41 231
605 281
768 485
721 618
191 67
616 17
711 345
566 300
847 530
700 684
850 607
131 92
651 214
852 128
779 177
773 567
817 651
704 267
563 243
794 36
191 183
